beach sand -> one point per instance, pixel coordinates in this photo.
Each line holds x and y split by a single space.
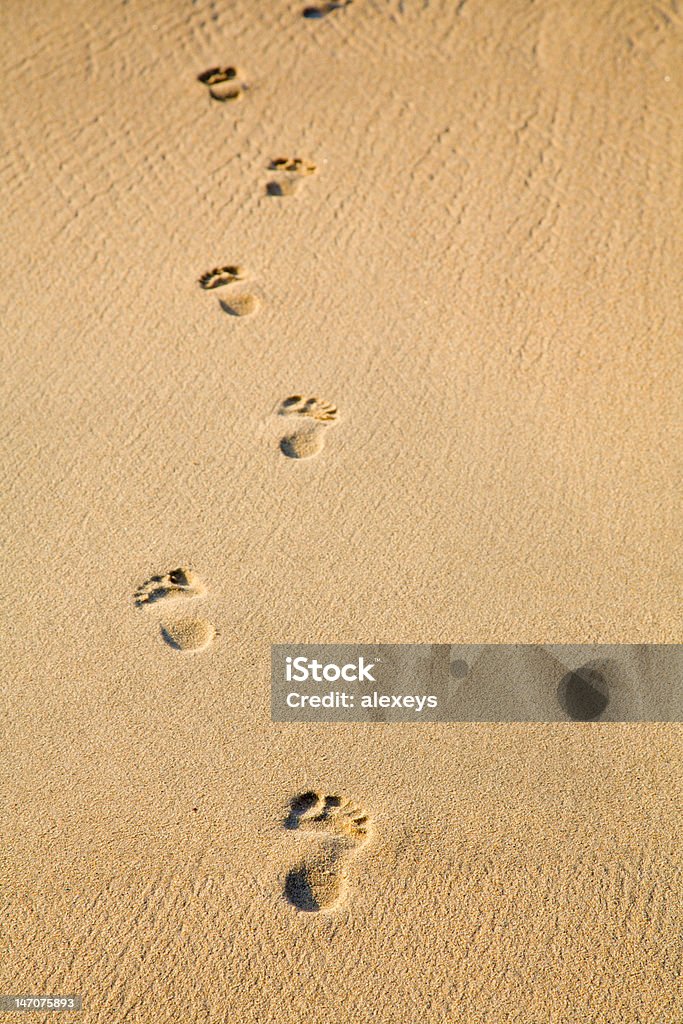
431 399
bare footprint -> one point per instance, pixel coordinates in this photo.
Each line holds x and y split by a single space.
291 169
188 634
311 416
241 304
220 276
222 83
176 584
317 882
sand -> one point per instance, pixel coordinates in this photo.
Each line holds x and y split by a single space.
475 264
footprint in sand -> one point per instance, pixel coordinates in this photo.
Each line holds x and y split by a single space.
290 170
223 84
240 304
311 416
177 585
338 828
